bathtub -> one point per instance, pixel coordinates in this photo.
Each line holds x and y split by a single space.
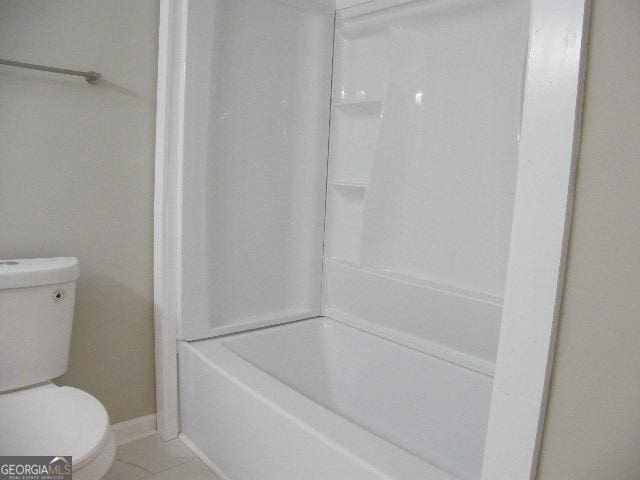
317 399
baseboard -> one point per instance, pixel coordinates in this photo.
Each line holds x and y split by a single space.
212 466
134 429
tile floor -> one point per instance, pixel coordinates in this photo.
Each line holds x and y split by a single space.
150 458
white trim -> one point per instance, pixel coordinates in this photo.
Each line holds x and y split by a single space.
198 453
166 211
130 430
542 215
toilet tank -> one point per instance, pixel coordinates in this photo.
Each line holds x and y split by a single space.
37 298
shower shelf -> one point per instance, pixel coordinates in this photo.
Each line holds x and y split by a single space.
339 184
356 127
368 107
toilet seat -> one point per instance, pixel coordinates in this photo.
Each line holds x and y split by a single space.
51 420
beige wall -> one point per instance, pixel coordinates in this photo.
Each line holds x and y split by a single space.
593 424
76 177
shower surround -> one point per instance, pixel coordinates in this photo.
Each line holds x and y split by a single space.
346 194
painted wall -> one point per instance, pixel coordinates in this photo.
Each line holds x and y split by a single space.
593 424
76 177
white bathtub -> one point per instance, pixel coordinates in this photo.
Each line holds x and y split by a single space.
317 399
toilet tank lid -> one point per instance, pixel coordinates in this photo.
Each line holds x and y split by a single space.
32 272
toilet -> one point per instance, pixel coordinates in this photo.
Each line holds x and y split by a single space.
37 417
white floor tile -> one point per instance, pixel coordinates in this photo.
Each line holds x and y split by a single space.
193 470
152 455
125 471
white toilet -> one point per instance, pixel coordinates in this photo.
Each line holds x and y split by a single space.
37 298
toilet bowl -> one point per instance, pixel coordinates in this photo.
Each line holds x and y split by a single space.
37 417
51 420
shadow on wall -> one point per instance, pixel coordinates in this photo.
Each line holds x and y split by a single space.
113 314
49 80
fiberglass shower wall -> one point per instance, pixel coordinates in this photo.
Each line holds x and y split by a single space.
426 110
258 76
424 119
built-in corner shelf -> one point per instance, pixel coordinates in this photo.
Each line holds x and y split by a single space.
339 184
354 136
359 107
345 203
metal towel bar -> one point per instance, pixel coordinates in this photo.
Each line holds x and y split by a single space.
91 77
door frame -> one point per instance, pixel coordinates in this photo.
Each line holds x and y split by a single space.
549 144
